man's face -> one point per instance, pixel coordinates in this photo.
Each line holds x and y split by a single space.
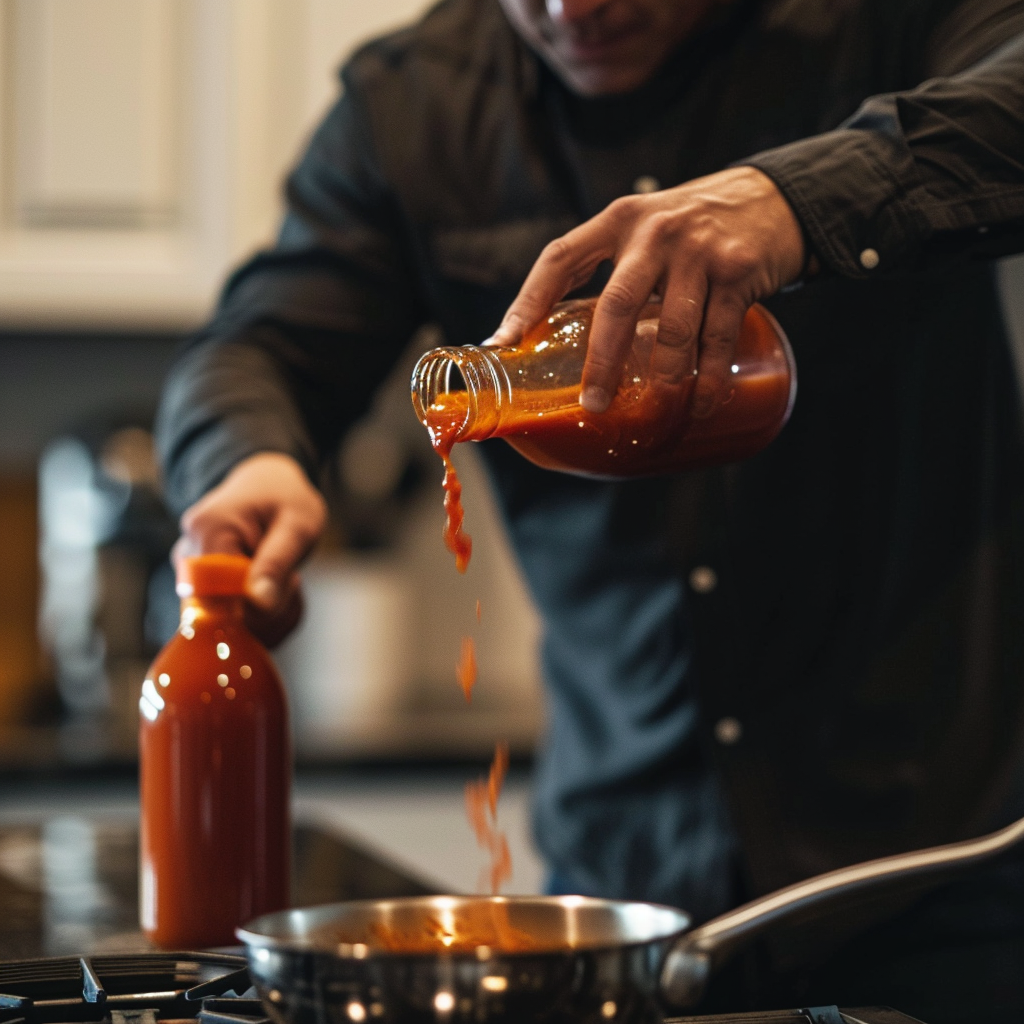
603 47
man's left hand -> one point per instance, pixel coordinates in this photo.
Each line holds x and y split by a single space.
710 248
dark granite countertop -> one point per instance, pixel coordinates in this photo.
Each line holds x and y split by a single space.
68 885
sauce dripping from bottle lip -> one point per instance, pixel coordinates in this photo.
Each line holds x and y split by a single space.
444 424
444 432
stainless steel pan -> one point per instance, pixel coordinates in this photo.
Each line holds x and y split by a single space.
551 959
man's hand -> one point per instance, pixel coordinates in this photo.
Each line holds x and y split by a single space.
265 508
710 248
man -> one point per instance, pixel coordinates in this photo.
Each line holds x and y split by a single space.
755 673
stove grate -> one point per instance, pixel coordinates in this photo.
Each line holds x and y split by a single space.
144 989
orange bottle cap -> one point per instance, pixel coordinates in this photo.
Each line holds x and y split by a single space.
213 575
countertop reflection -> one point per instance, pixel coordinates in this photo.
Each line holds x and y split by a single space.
69 847
68 885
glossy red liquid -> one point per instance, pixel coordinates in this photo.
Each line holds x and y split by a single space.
215 776
648 428
444 432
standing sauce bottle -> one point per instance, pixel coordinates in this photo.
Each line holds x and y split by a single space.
215 770
528 394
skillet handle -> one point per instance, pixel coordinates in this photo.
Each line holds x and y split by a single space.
690 961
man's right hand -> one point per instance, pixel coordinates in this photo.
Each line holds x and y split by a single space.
265 508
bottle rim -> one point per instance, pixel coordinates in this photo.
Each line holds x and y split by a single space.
212 575
469 369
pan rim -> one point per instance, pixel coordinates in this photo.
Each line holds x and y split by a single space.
257 938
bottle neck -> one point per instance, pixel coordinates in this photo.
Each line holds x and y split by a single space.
231 606
459 393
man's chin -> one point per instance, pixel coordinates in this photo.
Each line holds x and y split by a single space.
592 79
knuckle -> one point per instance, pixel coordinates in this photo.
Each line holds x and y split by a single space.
557 251
200 517
675 331
739 261
309 502
622 209
305 525
663 226
618 299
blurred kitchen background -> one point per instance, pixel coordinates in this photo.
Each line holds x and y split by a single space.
142 148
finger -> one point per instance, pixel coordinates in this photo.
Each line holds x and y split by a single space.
566 263
723 319
285 544
184 547
211 526
614 327
682 313
273 626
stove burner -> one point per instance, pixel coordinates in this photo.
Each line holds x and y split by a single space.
214 988
143 989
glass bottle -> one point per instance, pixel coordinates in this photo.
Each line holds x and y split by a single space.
529 395
215 770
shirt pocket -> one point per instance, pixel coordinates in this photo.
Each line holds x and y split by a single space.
498 255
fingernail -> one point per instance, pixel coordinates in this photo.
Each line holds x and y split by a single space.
264 591
509 330
595 399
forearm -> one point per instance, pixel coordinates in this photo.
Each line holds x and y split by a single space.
225 401
915 178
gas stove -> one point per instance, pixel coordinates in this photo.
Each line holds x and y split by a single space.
214 988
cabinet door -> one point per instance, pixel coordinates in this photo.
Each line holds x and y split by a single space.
142 145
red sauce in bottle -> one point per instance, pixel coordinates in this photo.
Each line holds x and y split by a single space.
215 771
529 395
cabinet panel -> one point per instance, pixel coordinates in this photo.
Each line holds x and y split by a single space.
95 99
143 144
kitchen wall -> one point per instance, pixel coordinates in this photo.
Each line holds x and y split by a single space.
142 147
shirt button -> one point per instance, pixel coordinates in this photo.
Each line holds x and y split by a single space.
646 183
703 579
869 259
728 730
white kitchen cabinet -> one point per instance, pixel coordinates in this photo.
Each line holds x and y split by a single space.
143 143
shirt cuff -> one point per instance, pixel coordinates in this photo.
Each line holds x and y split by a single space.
846 189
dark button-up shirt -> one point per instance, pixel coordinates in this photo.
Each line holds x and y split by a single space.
763 670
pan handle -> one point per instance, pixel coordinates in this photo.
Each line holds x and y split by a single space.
694 955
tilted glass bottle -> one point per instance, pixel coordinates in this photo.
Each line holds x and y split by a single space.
529 395
214 770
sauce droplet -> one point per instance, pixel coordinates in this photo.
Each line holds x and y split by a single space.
482 811
465 670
